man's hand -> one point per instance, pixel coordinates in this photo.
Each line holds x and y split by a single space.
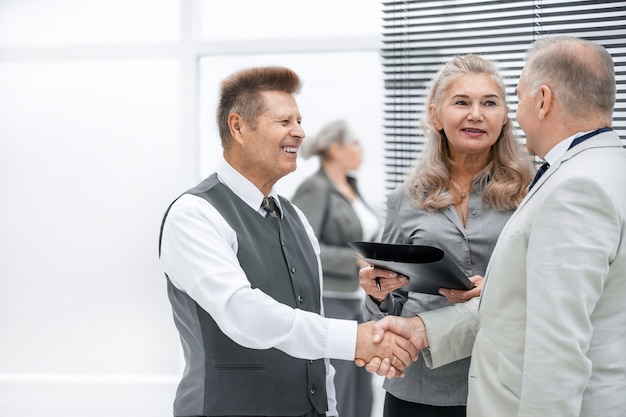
411 328
398 351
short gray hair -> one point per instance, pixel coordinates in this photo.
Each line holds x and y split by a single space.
580 73
337 131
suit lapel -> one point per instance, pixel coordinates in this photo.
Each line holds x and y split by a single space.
603 140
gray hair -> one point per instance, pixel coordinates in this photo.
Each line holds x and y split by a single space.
580 74
337 131
456 67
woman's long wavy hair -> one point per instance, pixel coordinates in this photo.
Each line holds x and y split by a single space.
508 172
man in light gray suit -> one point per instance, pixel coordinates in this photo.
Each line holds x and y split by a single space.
548 334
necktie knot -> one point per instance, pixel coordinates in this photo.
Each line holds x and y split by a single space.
543 168
270 206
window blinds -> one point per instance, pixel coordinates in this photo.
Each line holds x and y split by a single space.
419 36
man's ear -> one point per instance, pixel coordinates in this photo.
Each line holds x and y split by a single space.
236 125
544 101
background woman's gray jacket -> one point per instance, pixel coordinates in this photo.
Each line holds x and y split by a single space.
335 224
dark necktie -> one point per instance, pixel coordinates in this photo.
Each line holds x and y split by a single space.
543 168
269 205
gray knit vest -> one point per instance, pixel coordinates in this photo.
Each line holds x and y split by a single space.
222 377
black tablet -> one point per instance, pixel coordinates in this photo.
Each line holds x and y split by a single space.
427 267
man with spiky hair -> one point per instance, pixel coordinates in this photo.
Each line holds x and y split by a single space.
244 275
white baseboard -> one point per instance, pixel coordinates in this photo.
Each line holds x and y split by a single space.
61 395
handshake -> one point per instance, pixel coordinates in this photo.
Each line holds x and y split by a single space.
388 346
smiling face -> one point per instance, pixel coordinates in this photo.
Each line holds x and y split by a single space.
269 146
471 112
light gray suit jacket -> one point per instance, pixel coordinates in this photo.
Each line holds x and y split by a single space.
552 333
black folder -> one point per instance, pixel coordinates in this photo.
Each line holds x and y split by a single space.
427 267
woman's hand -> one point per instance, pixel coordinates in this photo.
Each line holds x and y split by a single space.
378 282
461 296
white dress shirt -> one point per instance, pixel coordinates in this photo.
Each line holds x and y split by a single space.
199 255
560 148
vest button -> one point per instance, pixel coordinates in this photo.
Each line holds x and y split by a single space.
282 242
312 390
293 270
301 299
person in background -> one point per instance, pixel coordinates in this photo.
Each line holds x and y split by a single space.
338 214
471 176
550 334
244 276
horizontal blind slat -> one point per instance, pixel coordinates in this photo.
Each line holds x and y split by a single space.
420 36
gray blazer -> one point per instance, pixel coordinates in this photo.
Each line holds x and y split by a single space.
470 248
335 223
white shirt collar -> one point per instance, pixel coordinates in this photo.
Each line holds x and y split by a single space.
243 188
560 148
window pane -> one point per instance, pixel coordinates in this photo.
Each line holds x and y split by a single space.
80 22
419 37
88 162
288 19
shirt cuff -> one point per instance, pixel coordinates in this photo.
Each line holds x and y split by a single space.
341 339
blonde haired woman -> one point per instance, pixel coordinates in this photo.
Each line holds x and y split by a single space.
471 176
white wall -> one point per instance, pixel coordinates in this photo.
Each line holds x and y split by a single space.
106 113
88 162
